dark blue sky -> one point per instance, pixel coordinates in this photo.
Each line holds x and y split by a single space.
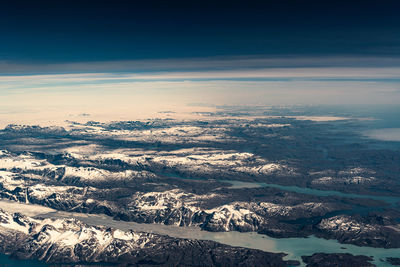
74 31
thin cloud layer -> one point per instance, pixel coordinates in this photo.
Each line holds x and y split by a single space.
245 81
193 64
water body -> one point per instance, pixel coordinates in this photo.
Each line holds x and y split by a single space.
379 122
383 123
384 134
373 116
294 247
309 191
6 261
302 190
239 184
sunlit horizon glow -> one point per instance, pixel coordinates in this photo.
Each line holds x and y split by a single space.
56 97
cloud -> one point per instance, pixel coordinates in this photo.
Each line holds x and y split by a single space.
332 74
193 64
117 95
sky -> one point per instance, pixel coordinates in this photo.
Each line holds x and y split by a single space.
65 58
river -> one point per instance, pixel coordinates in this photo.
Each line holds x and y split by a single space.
294 247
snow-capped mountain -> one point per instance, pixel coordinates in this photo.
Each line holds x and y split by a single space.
71 241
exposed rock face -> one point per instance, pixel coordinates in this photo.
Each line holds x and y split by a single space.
69 241
182 208
393 260
336 259
357 231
